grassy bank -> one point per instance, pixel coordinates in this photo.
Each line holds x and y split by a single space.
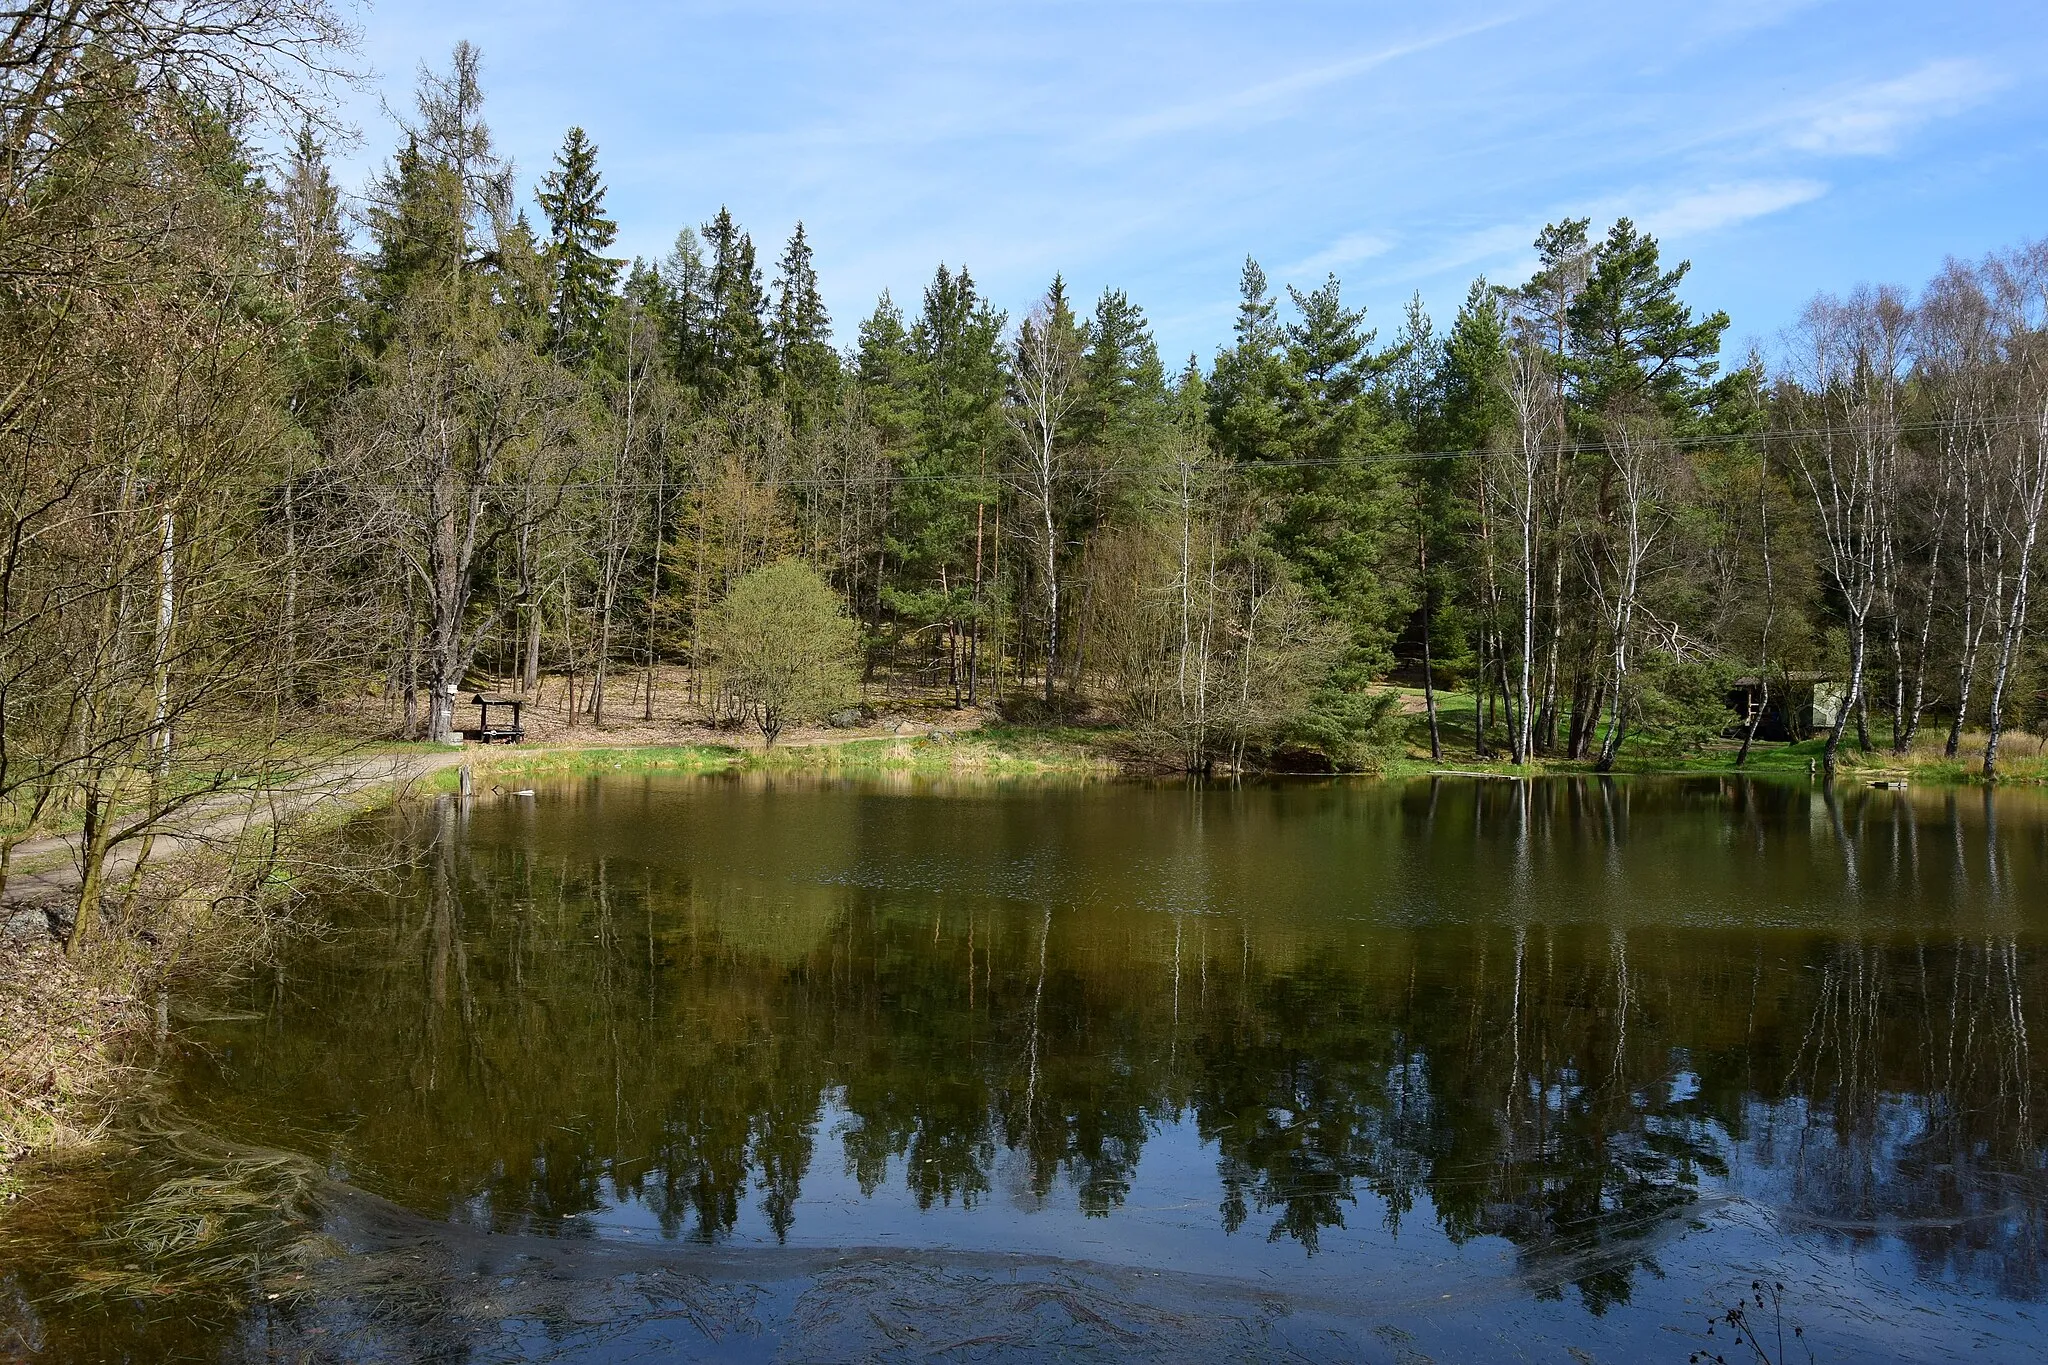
77 1032
1003 751
2021 758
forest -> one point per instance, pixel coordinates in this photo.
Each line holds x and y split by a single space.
275 451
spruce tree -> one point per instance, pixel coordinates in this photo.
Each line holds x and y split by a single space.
957 382
802 332
572 196
738 332
310 251
687 310
417 233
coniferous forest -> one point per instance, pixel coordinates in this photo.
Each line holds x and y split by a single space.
272 445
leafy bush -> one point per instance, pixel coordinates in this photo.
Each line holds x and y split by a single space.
784 649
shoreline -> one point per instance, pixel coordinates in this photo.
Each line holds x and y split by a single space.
84 1019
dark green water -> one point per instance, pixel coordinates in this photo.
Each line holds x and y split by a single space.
1455 1070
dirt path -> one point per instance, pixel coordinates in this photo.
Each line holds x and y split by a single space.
47 871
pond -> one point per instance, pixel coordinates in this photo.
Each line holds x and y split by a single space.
761 1067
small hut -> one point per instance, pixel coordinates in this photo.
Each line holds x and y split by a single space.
1797 705
504 732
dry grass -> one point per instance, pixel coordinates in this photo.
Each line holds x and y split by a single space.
76 1031
2022 757
58 1058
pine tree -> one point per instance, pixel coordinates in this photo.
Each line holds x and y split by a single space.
1122 414
1472 407
572 196
1341 504
885 371
1243 388
1638 347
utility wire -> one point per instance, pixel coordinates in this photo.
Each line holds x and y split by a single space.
1248 467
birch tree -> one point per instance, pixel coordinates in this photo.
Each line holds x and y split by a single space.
1045 363
1850 358
2021 475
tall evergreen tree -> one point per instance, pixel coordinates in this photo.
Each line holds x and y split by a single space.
1341 506
802 331
737 328
1637 345
311 261
1243 389
687 308
416 221
572 196
1300 404
1121 417
948 469
885 370
453 136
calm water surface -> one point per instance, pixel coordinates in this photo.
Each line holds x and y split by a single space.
1450 1070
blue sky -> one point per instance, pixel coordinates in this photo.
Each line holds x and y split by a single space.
1783 147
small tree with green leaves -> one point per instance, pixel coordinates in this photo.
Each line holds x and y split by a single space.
785 649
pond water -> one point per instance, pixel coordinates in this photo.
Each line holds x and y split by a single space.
762 1067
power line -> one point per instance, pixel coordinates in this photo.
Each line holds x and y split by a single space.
1240 468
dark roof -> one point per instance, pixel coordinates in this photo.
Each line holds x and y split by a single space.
1797 679
496 699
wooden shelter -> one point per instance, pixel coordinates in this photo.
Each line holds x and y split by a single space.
1793 707
501 733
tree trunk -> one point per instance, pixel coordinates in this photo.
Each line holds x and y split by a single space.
1436 743
974 623
1850 699
2033 493
1763 662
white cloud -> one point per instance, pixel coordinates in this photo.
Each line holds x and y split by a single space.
1250 100
1720 206
1503 251
1870 121
1728 18
1349 249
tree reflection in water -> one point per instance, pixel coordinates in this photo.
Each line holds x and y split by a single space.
596 1026
1570 1015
